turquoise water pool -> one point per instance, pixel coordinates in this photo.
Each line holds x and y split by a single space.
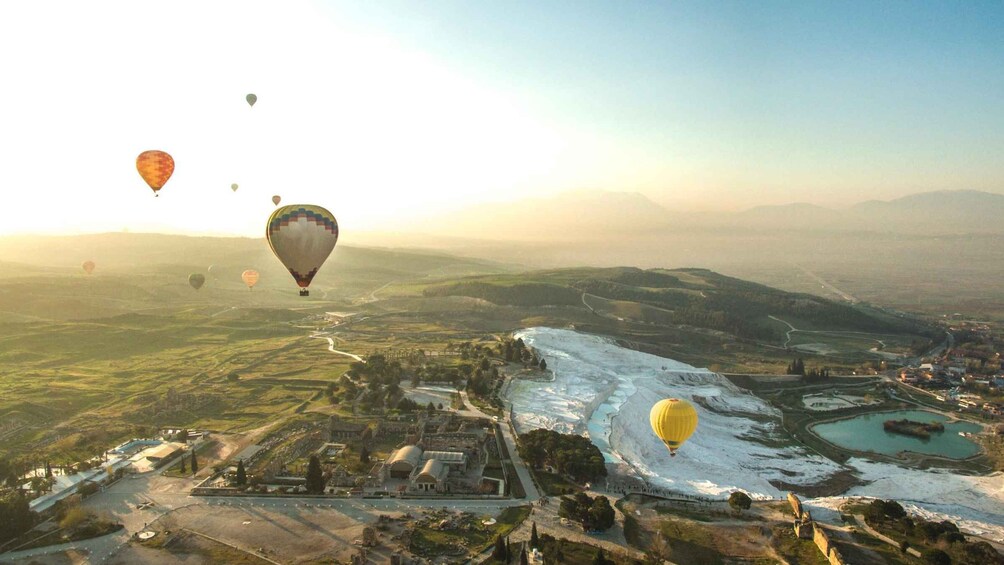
865 433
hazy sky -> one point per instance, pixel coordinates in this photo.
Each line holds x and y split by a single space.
385 110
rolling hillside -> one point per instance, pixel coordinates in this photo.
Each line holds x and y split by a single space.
691 297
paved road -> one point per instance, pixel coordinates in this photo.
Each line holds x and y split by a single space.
509 437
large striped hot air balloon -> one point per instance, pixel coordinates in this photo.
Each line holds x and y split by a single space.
250 277
302 236
155 167
673 420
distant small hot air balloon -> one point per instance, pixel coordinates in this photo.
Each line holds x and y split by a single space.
88 267
673 421
251 98
196 280
250 277
155 167
302 236
233 187
276 199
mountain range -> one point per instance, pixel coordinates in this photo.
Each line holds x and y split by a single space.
597 215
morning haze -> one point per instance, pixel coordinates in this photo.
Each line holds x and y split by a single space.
473 282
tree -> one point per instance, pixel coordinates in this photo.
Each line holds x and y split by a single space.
740 501
16 516
600 559
543 364
936 557
182 436
242 477
195 463
315 477
440 406
430 408
364 455
48 470
601 514
534 540
523 559
498 554
183 469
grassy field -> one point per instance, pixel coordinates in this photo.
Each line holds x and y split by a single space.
86 362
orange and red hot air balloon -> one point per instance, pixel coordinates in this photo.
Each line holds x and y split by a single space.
155 167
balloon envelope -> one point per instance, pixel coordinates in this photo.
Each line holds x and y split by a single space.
155 167
673 421
302 236
233 187
88 267
251 98
196 280
250 277
276 199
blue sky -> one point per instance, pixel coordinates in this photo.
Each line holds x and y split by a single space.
384 110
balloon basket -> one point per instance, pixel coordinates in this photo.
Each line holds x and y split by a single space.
304 292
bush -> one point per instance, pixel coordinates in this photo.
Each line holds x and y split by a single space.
936 557
87 488
75 517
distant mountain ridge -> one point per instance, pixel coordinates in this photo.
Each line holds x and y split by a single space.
596 215
943 211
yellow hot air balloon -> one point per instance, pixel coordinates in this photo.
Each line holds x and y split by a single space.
302 236
233 187
155 167
88 267
250 277
673 420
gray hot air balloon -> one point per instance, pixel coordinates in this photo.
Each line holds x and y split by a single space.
251 98
196 280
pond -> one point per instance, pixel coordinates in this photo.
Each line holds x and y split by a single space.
866 433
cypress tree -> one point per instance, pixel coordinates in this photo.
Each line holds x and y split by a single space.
534 540
315 477
242 477
195 463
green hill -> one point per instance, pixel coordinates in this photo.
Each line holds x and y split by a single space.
693 297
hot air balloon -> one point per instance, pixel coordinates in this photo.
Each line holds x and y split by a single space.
673 420
88 267
251 98
196 280
250 277
302 236
155 167
233 187
276 199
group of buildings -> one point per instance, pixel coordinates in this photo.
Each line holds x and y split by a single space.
441 453
950 382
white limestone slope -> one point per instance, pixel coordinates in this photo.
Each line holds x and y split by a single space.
606 391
